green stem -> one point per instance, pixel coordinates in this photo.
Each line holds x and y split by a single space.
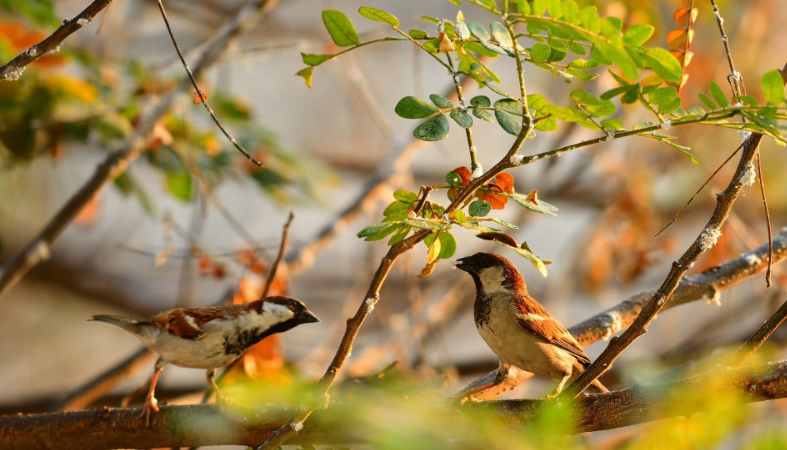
409 38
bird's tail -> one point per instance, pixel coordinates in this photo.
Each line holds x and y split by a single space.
132 326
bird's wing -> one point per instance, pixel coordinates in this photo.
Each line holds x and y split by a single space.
187 323
534 318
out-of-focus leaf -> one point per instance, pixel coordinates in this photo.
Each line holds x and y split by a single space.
378 16
179 185
773 87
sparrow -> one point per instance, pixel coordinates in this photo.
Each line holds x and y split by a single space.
208 338
520 331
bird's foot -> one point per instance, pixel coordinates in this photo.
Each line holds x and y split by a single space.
150 407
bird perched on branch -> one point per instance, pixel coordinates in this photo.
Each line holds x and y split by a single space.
207 338
517 328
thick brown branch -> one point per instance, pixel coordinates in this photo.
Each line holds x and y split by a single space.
125 152
13 69
203 425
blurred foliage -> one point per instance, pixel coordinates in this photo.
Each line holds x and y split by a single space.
75 98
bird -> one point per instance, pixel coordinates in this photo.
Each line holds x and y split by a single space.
518 329
208 338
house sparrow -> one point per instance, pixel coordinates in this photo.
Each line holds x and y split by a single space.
207 338
517 328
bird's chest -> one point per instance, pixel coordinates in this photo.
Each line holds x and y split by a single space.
510 342
219 346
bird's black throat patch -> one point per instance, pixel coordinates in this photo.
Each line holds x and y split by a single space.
239 340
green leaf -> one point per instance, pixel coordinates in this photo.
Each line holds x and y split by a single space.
482 100
426 224
504 223
447 245
314 60
306 74
670 106
129 186
664 64
475 226
523 7
396 210
718 95
638 34
707 100
612 124
453 179
405 196
384 232
542 206
603 109
479 112
461 117
540 52
501 35
414 108
662 95
590 19
508 122
434 129
179 185
479 208
773 87
340 28
399 235
440 101
683 149
584 98
418 34
372 229
478 31
567 114
378 16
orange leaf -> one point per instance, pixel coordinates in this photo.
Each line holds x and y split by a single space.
463 173
681 16
676 38
506 182
199 99
204 264
497 201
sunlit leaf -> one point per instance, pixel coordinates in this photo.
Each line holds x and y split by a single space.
340 28
378 16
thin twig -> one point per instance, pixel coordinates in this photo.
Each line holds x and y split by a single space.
767 221
282 248
734 78
126 151
13 69
674 218
200 95
762 334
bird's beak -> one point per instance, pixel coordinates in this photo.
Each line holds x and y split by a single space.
307 317
460 264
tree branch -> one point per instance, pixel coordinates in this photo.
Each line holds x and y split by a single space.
12 70
126 151
204 425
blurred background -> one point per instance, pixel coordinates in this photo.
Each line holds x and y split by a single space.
192 223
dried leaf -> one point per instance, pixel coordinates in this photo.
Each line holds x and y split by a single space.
500 237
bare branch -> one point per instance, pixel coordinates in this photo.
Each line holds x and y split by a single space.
126 151
13 69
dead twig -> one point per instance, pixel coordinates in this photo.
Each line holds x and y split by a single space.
12 70
282 248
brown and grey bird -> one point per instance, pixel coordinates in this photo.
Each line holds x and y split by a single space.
208 338
520 331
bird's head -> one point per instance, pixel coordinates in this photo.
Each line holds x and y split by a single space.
285 310
491 272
